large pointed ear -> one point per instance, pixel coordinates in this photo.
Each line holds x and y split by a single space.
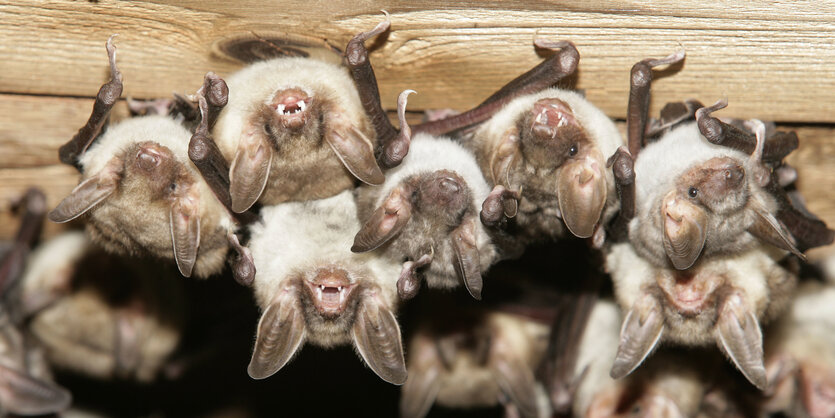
468 263
89 193
24 395
639 335
281 332
740 338
424 383
184 219
250 169
376 335
352 147
387 221
770 230
516 380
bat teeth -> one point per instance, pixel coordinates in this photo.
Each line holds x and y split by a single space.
302 106
280 109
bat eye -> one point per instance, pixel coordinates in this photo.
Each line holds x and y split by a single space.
172 187
573 150
693 192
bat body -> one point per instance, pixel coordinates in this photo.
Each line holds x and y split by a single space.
551 147
801 355
294 129
427 214
311 288
487 361
100 315
721 300
697 199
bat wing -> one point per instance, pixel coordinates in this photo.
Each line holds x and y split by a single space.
281 332
23 394
376 335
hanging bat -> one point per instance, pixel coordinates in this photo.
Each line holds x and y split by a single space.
98 314
705 188
312 289
480 359
427 213
26 386
801 355
295 130
722 300
142 193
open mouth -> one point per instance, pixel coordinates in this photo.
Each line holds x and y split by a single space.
291 105
690 294
551 116
331 291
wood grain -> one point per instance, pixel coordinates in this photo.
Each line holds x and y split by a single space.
772 60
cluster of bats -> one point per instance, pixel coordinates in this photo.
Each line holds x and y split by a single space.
290 172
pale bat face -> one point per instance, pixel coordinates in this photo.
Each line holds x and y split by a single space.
552 146
143 196
294 130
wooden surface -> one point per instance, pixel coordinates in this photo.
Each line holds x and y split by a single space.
772 60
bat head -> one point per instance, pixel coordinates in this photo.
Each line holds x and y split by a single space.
442 195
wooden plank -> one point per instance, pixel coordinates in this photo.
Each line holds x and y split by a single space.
56 181
772 60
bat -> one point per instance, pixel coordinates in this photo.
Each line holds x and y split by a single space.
311 288
704 187
723 300
295 130
427 213
483 358
26 386
98 314
801 357
141 192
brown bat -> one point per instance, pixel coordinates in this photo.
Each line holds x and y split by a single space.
485 360
142 193
722 300
98 314
26 386
426 213
801 355
705 188
311 288
294 129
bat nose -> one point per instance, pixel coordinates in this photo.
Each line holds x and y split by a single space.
449 185
148 159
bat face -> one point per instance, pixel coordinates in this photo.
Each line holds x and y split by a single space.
553 146
722 300
697 199
312 288
111 318
427 213
144 196
475 365
294 129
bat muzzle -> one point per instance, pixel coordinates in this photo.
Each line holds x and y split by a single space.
331 291
291 107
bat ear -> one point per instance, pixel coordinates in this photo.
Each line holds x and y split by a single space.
581 193
354 150
184 219
641 331
386 222
281 333
376 335
423 384
24 395
249 171
88 193
770 230
739 336
685 231
503 158
468 264
516 381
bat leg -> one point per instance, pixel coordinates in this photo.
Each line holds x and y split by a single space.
546 74
33 205
356 59
501 204
105 99
623 168
395 151
639 94
408 284
243 265
203 151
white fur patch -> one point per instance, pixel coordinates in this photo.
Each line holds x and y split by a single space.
258 82
46 262
598 347
629 273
